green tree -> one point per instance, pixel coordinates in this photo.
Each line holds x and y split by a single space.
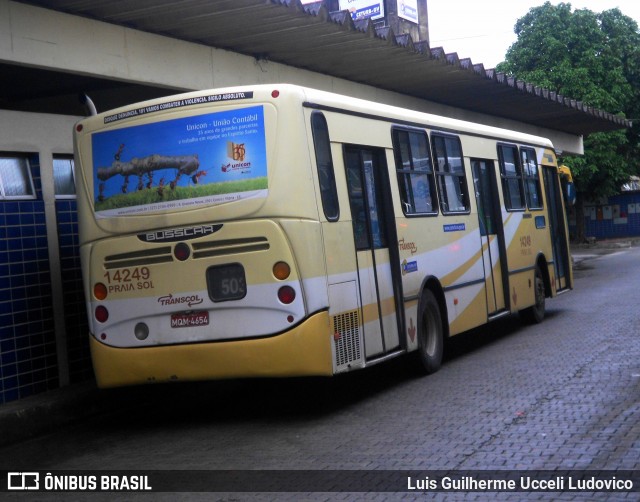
594 58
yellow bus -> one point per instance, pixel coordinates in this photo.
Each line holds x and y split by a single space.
276 230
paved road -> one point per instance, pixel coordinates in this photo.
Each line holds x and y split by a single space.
564 394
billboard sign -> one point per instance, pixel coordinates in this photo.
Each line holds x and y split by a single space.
182 163
408 9
363 9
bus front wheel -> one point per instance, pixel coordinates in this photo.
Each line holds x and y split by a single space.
430 333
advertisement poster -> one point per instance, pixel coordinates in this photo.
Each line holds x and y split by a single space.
181 163
408 9
363 9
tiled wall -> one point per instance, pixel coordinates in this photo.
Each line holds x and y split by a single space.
28 350
28 362
619 218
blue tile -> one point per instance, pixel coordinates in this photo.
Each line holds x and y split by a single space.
7 346
28 230
29 242
66 240
20 305
66 217
18 293
16 268
8 360
27 218
13 219
14 242
17 281
10 395
31 267
11 207
6 331
24 365
26 206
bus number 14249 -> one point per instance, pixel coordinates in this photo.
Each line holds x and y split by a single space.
128 275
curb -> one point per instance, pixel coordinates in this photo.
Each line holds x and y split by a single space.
36 415
44 413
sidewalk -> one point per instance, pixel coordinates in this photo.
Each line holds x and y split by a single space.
582 252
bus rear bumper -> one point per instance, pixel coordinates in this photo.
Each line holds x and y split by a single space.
303 351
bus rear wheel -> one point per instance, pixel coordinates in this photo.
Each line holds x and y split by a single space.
535 313
430 334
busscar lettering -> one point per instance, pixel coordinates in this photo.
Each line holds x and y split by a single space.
179 233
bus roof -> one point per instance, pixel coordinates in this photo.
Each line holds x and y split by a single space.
312 97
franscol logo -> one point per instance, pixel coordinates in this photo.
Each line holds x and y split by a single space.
23 481
190 300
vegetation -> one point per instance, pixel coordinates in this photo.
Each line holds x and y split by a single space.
594 58
157 194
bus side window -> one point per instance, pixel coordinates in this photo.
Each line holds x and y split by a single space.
414 170
324 162
511 177
452 183
531 178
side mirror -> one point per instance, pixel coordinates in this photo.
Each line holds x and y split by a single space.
568 187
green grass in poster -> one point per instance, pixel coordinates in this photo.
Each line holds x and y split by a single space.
155 194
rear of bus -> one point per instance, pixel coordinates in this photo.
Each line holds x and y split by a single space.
200 239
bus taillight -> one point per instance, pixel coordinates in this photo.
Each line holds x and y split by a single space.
99 291
281 270
286 294
102 314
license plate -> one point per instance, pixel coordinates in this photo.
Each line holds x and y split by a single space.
189 319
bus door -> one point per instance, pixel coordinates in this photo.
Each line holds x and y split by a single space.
492 235
557 227
372 216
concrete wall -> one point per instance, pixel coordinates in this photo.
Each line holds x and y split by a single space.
46 39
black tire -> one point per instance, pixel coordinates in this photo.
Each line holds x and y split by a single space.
430 334
535 313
